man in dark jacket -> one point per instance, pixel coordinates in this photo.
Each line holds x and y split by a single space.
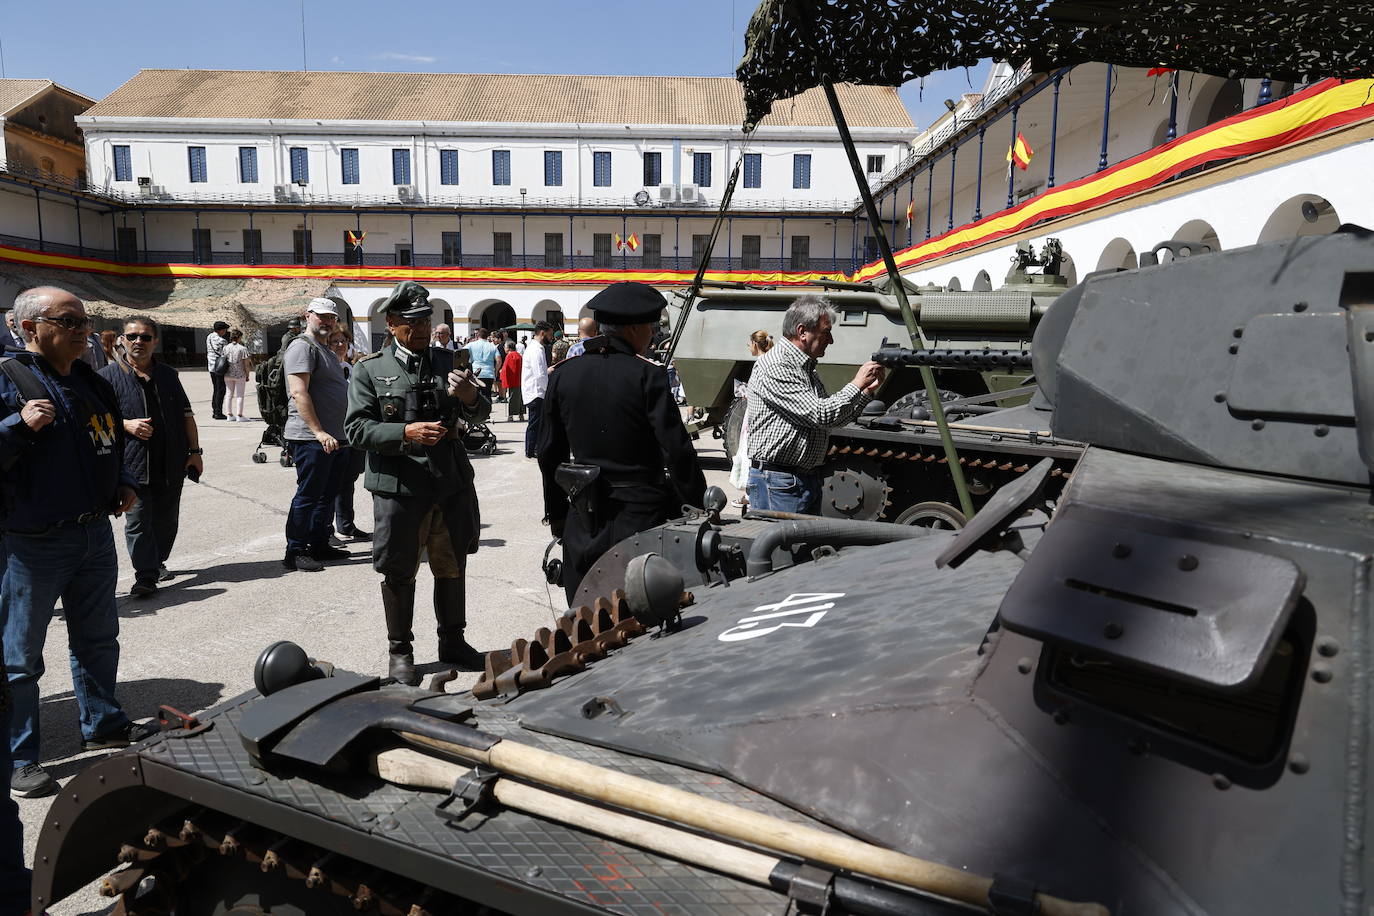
403 405
63 477
611 409
163 445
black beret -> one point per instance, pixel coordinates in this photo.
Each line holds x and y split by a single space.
627 303
408 300
220 326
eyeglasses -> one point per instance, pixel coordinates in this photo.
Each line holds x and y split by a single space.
146 338
66 321
339 343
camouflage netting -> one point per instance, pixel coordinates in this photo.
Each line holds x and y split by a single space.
192 302
794 45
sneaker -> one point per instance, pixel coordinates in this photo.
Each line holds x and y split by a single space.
218 416
164 574
325 552
242 419
128 734
334 541
738 502
31 781
302 562
142 590
356 534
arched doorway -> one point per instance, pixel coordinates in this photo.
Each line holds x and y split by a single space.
550 311
492 314
1305 214
1216 100
1118 255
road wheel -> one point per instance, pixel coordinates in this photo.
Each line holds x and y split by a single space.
932 515
733 425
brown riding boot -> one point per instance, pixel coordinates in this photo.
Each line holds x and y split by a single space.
450 610
398 605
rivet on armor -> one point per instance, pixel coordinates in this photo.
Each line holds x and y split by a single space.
1113 630
1321 430
1321 674
1257 424
1187 562
1327 647
1024 665
1299 763
1221 781
1121 551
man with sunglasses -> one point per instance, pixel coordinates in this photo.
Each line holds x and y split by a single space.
162 447
63 477
404 404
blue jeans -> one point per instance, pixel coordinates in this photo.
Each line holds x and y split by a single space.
535 409
318 475
354 465
15 880
77 564
778 491
150 529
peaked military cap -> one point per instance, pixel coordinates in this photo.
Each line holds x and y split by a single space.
627 303
408 300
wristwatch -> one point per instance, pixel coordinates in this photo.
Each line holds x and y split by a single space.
195 451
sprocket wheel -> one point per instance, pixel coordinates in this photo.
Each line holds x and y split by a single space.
855 489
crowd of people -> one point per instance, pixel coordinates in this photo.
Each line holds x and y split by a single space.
94 426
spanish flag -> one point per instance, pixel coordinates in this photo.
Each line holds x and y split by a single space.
633 241
1158 71
355 238
1019 153
619 242
908 211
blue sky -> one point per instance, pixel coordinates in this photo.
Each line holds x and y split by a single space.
92 47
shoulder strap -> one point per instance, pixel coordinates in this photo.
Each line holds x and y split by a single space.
23 377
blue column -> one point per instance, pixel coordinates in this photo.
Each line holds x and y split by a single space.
253 256
143 218
677 241
624 251
978 194
834 242
38 208
1054 127
114 236
930 193
522 240
782 241
854 244
1266 93
196 251
953 162
895 215
1106 119
1173 107
729 242
911 200
413 246
1011 166
570 240
80 246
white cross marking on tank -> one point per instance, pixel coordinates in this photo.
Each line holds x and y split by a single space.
788 607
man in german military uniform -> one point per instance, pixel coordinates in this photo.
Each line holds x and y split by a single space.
611 411
404 404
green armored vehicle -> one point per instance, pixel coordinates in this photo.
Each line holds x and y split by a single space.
888 464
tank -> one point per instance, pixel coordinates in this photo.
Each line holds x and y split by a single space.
888 465
1153 696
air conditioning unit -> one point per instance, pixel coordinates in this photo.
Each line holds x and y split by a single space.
282 193
691 194
158 191
406 193
667 194
145 187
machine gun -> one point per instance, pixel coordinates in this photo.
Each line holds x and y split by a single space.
891 356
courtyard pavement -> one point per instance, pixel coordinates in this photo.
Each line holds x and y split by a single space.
193 644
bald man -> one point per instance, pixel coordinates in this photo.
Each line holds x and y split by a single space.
586 330
61 447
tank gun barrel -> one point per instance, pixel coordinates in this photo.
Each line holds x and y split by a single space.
944 358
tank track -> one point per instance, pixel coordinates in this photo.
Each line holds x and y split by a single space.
156 872
580 638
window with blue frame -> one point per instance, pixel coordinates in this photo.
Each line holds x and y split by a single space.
500 166
653 169
801 170
300 165
701 170
753 170
348 164
123 164
553 168
196 160
601 170
448 166
248 165
400 166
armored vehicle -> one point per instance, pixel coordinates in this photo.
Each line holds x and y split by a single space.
888 465
1159 701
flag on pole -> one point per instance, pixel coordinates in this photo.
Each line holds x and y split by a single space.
1158 71
1019 153
908 211
355 238
619 242
633 241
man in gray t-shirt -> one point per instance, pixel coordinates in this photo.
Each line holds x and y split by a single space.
314 434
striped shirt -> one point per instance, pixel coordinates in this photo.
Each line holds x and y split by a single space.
790 415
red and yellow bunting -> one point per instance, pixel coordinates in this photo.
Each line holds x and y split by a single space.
1326 106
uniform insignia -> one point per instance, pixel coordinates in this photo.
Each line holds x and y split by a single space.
386 379
389 410
368 356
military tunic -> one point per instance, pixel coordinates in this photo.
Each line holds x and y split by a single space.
408 480
613 409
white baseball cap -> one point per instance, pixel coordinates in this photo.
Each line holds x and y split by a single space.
323 307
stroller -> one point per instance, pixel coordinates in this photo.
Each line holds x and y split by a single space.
478 439
272 399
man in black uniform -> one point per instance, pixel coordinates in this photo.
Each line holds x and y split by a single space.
403 404
611 411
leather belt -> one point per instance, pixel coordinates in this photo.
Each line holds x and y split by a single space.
778 468
84 519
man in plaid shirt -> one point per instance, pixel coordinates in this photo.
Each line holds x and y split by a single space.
790 413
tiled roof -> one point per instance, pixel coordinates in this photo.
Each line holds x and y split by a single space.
14 93
459 97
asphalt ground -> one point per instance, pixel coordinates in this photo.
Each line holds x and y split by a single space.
193 643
